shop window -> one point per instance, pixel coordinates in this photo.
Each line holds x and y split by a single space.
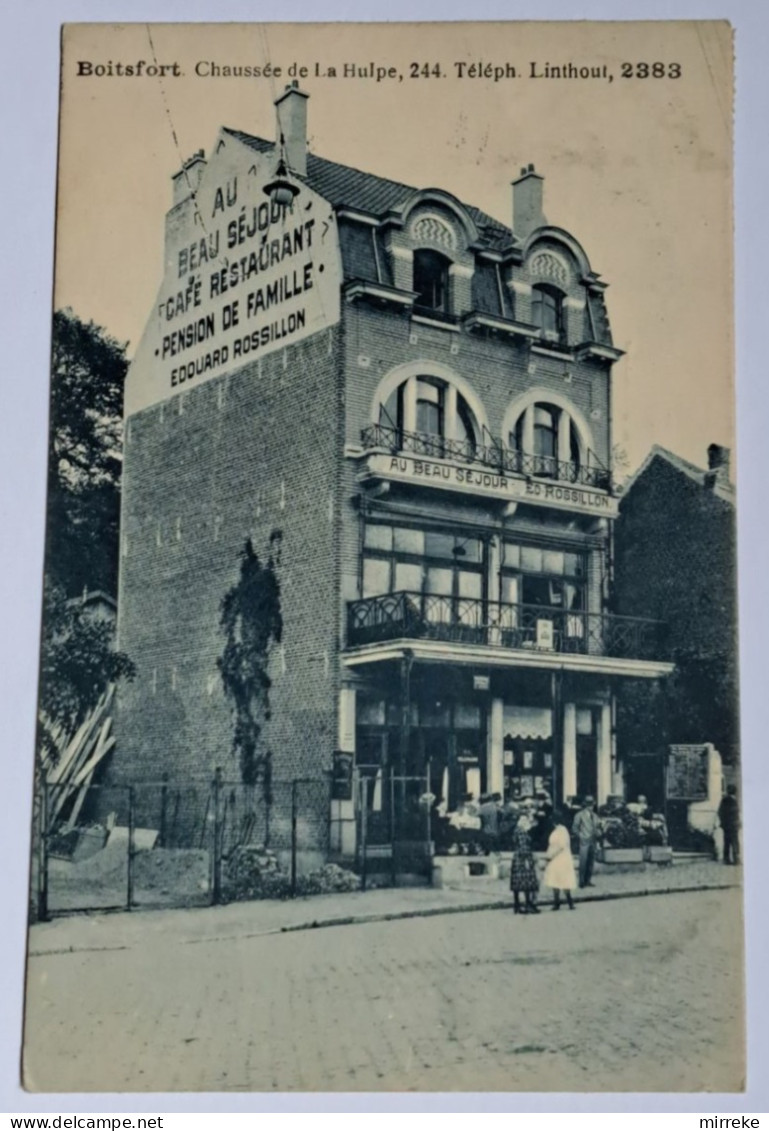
378 537
408 541
431 281
553 561
548 578
511 555
551 592
442 572
439 545
376 576
547 312
439 581
531 559
408 577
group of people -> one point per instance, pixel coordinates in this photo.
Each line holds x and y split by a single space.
559 872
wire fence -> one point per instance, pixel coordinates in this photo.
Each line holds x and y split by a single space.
166 843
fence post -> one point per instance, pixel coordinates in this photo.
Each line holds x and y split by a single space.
216 894
293 838
163 806
42 879
130 861
363 799
393 867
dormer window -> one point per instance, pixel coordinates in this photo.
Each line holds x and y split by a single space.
431 281
547 312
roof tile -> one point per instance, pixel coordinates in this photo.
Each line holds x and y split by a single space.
367 192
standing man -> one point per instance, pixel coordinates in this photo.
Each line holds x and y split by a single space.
489 814
585 828
729 816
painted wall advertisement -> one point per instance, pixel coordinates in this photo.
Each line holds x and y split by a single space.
244 276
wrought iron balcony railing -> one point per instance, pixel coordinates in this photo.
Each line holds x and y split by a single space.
507 461
464 620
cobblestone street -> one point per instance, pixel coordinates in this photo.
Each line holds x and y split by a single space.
638 994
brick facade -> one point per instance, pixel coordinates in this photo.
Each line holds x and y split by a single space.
513 344
205 471
675 560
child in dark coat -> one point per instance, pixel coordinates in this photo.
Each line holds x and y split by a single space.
523 872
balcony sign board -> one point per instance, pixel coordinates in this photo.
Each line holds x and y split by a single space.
485 482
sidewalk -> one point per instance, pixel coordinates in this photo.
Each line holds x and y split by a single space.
124 930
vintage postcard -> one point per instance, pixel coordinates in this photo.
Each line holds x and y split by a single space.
390 574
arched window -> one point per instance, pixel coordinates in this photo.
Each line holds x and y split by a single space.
547 311
545 432
428 416
431 281
430 408
546 442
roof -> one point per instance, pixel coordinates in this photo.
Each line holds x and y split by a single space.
368 192
91 596
363 255
723 490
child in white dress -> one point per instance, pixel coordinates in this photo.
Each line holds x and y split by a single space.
559 872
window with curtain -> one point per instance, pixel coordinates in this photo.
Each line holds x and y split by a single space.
433 432
443 569
535 575
548 419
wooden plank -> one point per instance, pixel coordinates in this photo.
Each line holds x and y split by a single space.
103 746
78 803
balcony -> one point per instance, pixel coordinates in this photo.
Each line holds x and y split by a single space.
535 628
492 456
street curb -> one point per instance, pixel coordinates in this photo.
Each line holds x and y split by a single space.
389 916
492 905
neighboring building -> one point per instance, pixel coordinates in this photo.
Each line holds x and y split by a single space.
675 559
418 398
95 606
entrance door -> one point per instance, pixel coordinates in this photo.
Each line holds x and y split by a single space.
587 765
372 764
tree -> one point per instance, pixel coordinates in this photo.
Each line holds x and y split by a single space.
77 663
88 370
252 623
78 660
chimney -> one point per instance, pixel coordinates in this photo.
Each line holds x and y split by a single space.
291 108
527 203
186 181
719 459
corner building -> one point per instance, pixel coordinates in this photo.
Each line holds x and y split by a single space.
418 398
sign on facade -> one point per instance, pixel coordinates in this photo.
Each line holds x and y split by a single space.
545 634
485 483
244 275
687 773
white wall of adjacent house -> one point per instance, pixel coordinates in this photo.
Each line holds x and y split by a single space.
703 814
342 830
